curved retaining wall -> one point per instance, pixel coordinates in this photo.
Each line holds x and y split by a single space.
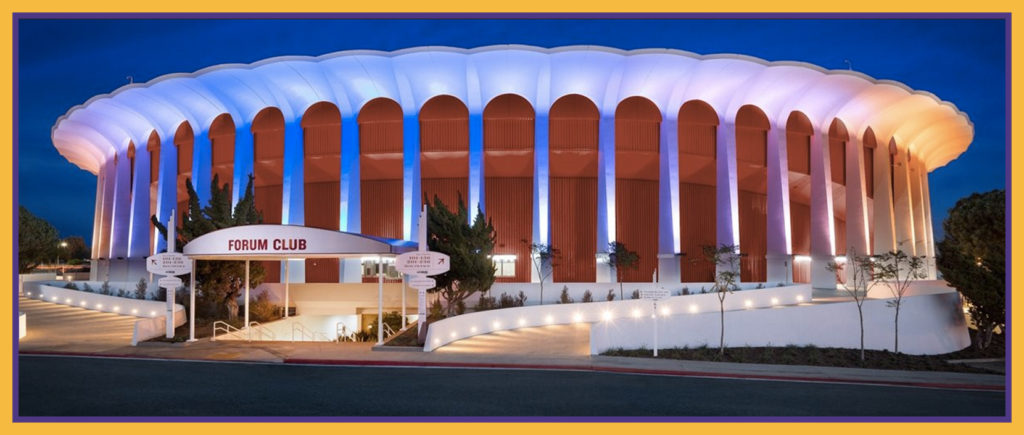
456 328
151 321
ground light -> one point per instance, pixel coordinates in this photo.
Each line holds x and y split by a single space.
607 315
799 298
693 308
636 312
775 301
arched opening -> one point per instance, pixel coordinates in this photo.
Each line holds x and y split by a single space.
444 150
572 154
752 184
321 143
798 149
508 183
268 173
870 143
380 172
637 139
153 148
698 135
838 137
222 147
183 140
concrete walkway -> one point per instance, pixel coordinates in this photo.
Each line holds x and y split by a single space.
57 329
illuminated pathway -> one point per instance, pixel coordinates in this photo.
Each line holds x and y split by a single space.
554 340
57 327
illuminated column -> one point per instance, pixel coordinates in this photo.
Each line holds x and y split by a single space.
779 237
902 207
476 167
350 269
668 198
97 225
138 241
120 206
411 197
292 191
885 238
856 200
109 178
727 217
166 185
929 230
917 206
541 213
605 193
243 162
202 164
822 219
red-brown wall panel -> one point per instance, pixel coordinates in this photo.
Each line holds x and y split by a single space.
798 149
800 228
574 228
753 237
268 170
837 160
508 178
697 219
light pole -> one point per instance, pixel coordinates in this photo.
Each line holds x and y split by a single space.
63 245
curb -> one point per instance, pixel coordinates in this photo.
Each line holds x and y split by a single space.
307 361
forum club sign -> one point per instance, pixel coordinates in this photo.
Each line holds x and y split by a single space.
289 241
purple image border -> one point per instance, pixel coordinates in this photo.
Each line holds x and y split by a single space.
1006 17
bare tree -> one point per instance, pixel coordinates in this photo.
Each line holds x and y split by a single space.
896 270
621 258
861 279
726 259
544 258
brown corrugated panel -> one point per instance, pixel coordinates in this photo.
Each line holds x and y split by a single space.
837 160
183 141
321 127
448 190
798 149
153 147
840 229
800 227
636 217
869 171
753 209
574 228
573 124
802 272
444 150
697 222
222 147
508 182
268 151
751 146
380 170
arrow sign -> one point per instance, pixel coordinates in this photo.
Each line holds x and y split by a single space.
168 263
422 263
169 282
422 282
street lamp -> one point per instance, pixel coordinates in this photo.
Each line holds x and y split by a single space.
63 245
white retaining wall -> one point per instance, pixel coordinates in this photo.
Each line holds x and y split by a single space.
930 323
456 328
151 316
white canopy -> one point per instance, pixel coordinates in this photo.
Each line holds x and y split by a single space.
281 242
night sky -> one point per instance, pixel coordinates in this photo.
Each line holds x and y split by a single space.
62 63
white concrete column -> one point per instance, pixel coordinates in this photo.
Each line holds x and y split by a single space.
109 189
668 197
167 185
822 216
475 196
727 224
917 206
202 165
120 208
541 190
902 204
929 230
856 200
97 221
605 193
243 160
293 189
350 270
411 195
885 236
138 239
778 220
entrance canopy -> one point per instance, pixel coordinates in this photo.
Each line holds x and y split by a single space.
282 242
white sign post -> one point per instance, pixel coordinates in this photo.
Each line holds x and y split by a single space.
171 264
655 295
420 265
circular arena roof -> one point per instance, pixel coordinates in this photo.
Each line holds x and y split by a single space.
935 131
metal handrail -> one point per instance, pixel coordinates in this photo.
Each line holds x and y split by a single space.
388 330
306 332
224 327
262 331
343 332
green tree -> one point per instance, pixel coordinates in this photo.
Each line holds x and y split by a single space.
544 258
972 258
897 270
76 248
469 247
726 259
37 241
861 279
219 282
621 258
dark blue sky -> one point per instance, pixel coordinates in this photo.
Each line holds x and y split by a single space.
62 63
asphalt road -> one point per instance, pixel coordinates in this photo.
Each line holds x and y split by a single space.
74 386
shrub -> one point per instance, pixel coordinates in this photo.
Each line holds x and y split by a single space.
460 307
635 295
760 285
120 293
86 288
261 309
685 291
506 301
587 296
141 289
75 261
363 336
435 311
71 286
392 319
105 288
703 290
564 297
611 295
780 285
486 303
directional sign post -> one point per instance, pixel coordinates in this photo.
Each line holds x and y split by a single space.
655 295
171 264
420 265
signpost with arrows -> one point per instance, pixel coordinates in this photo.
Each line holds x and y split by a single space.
171 264
420 266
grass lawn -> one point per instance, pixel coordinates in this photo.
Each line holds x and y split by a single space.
834 357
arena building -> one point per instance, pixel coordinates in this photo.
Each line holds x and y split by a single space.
662 150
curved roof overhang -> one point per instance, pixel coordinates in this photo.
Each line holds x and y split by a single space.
283 242
89 134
